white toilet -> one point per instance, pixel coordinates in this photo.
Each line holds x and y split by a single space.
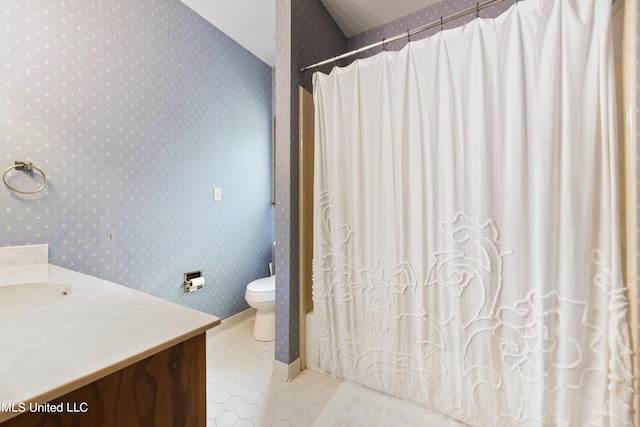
261 295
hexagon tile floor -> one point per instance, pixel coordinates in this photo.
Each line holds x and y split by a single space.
241 391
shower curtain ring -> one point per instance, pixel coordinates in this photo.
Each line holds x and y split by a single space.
478 10
408 37
441 23
384 44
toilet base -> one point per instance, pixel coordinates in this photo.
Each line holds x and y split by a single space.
264 327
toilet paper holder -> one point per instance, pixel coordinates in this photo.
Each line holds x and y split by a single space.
188 285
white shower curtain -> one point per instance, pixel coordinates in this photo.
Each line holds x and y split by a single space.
466 242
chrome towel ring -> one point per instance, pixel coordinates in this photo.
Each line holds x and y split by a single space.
24 167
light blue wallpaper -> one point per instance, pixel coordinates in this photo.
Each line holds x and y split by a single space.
284 243
136 110
306 33
422 17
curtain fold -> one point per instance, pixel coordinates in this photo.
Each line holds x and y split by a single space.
466 236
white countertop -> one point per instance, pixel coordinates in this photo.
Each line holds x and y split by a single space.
97 329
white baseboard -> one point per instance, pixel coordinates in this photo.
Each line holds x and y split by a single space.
232 321
286 372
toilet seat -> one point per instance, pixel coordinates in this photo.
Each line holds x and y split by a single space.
261 290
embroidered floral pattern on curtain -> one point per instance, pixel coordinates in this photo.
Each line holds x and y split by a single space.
466 248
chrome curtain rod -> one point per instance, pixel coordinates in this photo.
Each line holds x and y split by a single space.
477 8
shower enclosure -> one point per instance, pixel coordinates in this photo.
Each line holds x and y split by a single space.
467 245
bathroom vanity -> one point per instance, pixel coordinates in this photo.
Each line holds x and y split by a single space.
90 352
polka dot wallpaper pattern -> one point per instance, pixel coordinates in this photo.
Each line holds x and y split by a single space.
305 33
419 18
136 110
284 245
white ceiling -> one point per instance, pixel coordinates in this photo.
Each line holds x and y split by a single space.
252 23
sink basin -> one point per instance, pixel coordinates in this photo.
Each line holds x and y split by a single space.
23 297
